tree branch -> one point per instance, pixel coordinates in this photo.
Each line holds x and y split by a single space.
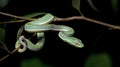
15 21
61 19
17 17
102 23
88 19
69 18
9 54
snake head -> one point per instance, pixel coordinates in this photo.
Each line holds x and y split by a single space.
76 42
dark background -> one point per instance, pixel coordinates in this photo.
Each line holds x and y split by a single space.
96 38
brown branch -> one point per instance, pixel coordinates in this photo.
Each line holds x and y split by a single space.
69 18
9 54
61 19
15 21
88 19
17 17
102 23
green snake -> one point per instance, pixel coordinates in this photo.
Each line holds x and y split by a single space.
40 26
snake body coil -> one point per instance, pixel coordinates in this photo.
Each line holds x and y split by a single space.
42 25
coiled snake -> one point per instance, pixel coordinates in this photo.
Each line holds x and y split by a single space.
41 25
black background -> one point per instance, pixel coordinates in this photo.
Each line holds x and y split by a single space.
96 38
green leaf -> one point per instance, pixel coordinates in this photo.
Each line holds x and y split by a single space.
114 4
90 2
76 4
2 39
98 60
3 3
33 62
2 35
34 14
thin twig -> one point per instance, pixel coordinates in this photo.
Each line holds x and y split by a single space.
4 47
9 54
102 23
15 21
14 16
88 19
69 18
62 19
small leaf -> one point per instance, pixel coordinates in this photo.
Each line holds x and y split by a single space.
2 35
90 2
34 14
98 60
114 4
33 62
3 3
2 39
76 4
